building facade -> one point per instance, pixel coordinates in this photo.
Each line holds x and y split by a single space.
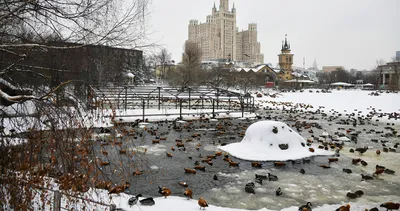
397 55
390 75
219 38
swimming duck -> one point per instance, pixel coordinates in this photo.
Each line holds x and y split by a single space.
203 203
164 191
184 184
202 168
249 188
272 177
307 207
359 193
349 171
390 206
278 191
191 171
389 171
215 177
302 171
366 177
256 164
361 150
351 195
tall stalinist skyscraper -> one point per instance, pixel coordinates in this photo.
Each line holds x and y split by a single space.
219 38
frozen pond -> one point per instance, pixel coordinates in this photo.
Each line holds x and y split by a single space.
318 185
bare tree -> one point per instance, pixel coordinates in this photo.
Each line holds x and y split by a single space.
41 137
218 77
246 81
186 74
163 59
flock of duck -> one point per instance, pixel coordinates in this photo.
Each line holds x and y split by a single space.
292 112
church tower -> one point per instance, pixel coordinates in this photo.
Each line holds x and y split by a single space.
286 60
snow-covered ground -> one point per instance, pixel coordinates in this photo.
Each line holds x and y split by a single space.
342 101
261 143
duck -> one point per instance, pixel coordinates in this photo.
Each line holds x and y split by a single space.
188 193
344 208
355 161
349 171
366 177
278 191
359 193
361 150
351 195
277 163
119 189
390 206
147 201
137 172
249 188
191 171
184 184
134 199
333 160
169 155
272 177
302 171
164 191
378 171
198 167
203 203
256 164
235 164
373 209
215 177
307 206
325 166
389 171
364 163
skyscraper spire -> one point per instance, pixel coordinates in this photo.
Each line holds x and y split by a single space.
214 5
233 7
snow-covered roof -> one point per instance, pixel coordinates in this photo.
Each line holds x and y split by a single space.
368 84
300 81
341 84
130 75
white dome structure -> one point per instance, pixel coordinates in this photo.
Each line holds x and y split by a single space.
272 141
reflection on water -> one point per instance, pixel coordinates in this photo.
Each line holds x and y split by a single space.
318 185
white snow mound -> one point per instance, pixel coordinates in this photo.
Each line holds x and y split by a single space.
261 143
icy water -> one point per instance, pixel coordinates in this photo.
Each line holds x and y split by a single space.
318 185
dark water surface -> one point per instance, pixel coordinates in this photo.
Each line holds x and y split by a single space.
319 185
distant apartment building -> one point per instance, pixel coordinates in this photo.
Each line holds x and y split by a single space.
219 38
397 55
328 69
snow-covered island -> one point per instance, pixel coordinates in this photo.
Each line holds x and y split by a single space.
272 141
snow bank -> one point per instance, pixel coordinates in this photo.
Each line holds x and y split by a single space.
342 101
266 141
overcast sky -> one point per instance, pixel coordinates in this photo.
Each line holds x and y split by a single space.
349 33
